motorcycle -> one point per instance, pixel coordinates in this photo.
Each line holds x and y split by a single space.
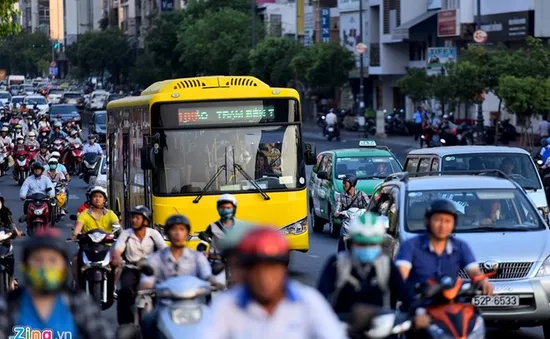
218 263
91 163
346 218
57 146
33 150
181 305
395 123
4 162
6 259
370 127
38 212
432 138
21 169
96 274
331 133
59 202
75 158
320 120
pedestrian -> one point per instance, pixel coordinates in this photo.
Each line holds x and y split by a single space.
544 128
418 118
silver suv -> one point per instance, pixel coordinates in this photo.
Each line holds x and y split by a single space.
501 225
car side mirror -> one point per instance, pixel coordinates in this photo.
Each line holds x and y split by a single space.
322 175
310 153
147 158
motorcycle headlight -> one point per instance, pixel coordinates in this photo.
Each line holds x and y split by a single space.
97 237
181 316
39 211
295 228
443 141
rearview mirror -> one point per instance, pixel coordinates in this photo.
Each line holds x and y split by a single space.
73 217
322 175
48 189
203 236
310 153
147 158
201 247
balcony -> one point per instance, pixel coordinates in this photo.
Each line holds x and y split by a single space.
374 55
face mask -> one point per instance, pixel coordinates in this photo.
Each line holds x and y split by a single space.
53 167
226 213
366 255
44 280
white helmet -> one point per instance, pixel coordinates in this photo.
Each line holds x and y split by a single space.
98 189
74 132
32 134
53 160
227 198
369 228
56 154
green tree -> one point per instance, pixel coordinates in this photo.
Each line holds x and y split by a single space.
146 70
471 81
30 49
416 84
214 43
526 96
8 19
444 88
270 60
328 67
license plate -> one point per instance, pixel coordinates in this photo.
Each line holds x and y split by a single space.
331 129
496 301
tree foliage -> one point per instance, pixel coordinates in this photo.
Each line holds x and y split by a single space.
26 53
525 96
9 24
416 85
271 59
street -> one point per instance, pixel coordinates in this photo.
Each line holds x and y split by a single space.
304 266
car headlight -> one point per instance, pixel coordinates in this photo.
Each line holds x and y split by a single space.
101 182
544 269
295 228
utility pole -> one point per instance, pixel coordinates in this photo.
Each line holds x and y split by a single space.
480 103
361 57
253 21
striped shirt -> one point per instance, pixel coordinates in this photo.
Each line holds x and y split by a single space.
345 201
165 266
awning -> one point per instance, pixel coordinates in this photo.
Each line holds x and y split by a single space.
402 32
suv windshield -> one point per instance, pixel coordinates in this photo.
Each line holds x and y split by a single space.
56 91
478 210
189 159
518 166
366 167
62 110
36 100
4 95
71 95
17 100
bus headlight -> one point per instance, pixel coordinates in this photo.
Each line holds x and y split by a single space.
295 228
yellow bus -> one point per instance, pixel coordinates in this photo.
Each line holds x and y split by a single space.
183 142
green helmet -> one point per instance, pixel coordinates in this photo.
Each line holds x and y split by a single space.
368 228
234 235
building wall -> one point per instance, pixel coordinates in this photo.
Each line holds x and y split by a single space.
57 29
287 15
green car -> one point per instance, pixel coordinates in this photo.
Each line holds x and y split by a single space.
370 163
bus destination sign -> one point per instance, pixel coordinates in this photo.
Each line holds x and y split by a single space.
224 116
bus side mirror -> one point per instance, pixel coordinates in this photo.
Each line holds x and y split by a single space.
310 153
147 158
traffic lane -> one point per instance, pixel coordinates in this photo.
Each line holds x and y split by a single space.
306 267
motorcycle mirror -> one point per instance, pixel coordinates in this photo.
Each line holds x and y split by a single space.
217 267
539 162
201 247
73 217
147 270
203 236
48 189
116 228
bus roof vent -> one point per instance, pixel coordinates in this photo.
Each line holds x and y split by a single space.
190 83
241 81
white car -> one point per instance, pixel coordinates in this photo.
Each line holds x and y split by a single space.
39 100
55 95
5 97
97 100
101 179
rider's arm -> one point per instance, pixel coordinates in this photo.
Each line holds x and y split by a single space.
24 189
327 279
120 245
79 224
50 185
100 150
404 259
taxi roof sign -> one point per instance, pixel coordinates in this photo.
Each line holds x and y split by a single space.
367 143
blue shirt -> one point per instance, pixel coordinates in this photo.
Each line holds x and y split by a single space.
60 168
304 313
418 254
417 117
54 136
61 320
95 148
33 185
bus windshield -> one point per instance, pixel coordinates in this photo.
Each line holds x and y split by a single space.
268 156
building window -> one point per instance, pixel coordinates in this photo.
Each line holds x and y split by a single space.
275 25
44 11
417 51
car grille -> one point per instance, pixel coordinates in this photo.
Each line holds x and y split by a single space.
508 270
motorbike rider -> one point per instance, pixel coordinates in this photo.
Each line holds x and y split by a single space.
36 183
43 154
14 119
331 119
91 146
365 274
60 167
43 123
350 198
227 208
7 224
5 138
69 127
31 141
436 253
228 249
27 125
18 131
134 245
269 304
23 108
74 138
46 303
52 172
57 133
96 217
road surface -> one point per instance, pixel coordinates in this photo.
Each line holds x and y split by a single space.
304 266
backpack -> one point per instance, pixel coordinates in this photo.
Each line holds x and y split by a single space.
344 266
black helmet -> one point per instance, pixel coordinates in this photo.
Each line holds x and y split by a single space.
44 145
351 178
441 206
36 165
143 211
177 219
46 238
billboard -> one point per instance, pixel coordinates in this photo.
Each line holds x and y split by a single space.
438 57
309 26
325 24
350 34
448 24
508 26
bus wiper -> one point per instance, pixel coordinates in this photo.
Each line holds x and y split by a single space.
251 181
497 229
209 183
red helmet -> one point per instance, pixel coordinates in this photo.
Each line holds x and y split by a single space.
264 244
